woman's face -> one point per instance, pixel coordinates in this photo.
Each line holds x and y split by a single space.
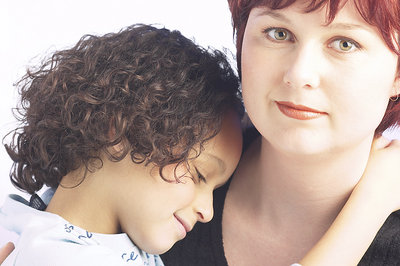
311 87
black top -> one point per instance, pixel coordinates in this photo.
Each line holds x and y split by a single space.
203 246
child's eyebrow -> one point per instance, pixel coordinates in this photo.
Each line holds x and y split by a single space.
221 163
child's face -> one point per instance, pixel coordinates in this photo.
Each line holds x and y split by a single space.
156 214
311 87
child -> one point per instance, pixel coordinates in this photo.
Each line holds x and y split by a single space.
5 251
134 130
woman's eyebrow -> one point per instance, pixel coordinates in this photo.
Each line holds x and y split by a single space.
272 13
348 26
333 25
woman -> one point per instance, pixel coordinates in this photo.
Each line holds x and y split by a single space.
320 81
308 158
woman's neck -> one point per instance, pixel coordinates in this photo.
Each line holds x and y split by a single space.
308 189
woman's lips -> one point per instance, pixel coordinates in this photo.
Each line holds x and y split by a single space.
299 112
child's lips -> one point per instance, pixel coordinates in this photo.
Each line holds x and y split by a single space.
185 225
299 112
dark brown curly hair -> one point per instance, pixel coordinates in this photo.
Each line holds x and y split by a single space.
150 89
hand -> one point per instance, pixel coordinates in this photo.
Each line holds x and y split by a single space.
373 199
381 179
5 251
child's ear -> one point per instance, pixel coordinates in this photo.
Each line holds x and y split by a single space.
117 148
111 131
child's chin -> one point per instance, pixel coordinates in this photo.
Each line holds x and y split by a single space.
159 248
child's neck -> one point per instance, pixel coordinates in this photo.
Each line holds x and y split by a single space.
85 203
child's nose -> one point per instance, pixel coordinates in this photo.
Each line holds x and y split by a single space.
203 206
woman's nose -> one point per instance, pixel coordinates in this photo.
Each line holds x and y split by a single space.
304 70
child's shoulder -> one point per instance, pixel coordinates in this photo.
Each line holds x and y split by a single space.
48 239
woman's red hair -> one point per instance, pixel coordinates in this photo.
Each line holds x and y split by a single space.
383 14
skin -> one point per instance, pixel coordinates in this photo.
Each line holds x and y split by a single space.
372 200
304 170
5 251
309 67
346 241
309 207
134 199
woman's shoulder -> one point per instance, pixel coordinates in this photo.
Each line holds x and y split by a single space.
250 134
385 248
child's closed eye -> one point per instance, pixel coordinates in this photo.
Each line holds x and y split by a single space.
200 177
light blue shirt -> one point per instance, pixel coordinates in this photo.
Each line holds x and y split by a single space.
47 239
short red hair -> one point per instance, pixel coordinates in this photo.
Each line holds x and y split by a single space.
383 14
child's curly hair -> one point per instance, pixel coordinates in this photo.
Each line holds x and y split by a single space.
151 90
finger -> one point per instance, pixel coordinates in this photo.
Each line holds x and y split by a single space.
5 251
394 142
380 143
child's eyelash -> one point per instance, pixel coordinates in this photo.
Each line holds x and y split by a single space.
200 176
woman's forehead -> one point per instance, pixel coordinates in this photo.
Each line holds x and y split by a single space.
383 14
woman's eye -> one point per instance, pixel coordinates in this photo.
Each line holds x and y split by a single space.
279 34
344 45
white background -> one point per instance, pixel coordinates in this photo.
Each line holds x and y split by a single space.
31 29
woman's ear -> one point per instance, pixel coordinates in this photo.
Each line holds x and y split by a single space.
396 87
